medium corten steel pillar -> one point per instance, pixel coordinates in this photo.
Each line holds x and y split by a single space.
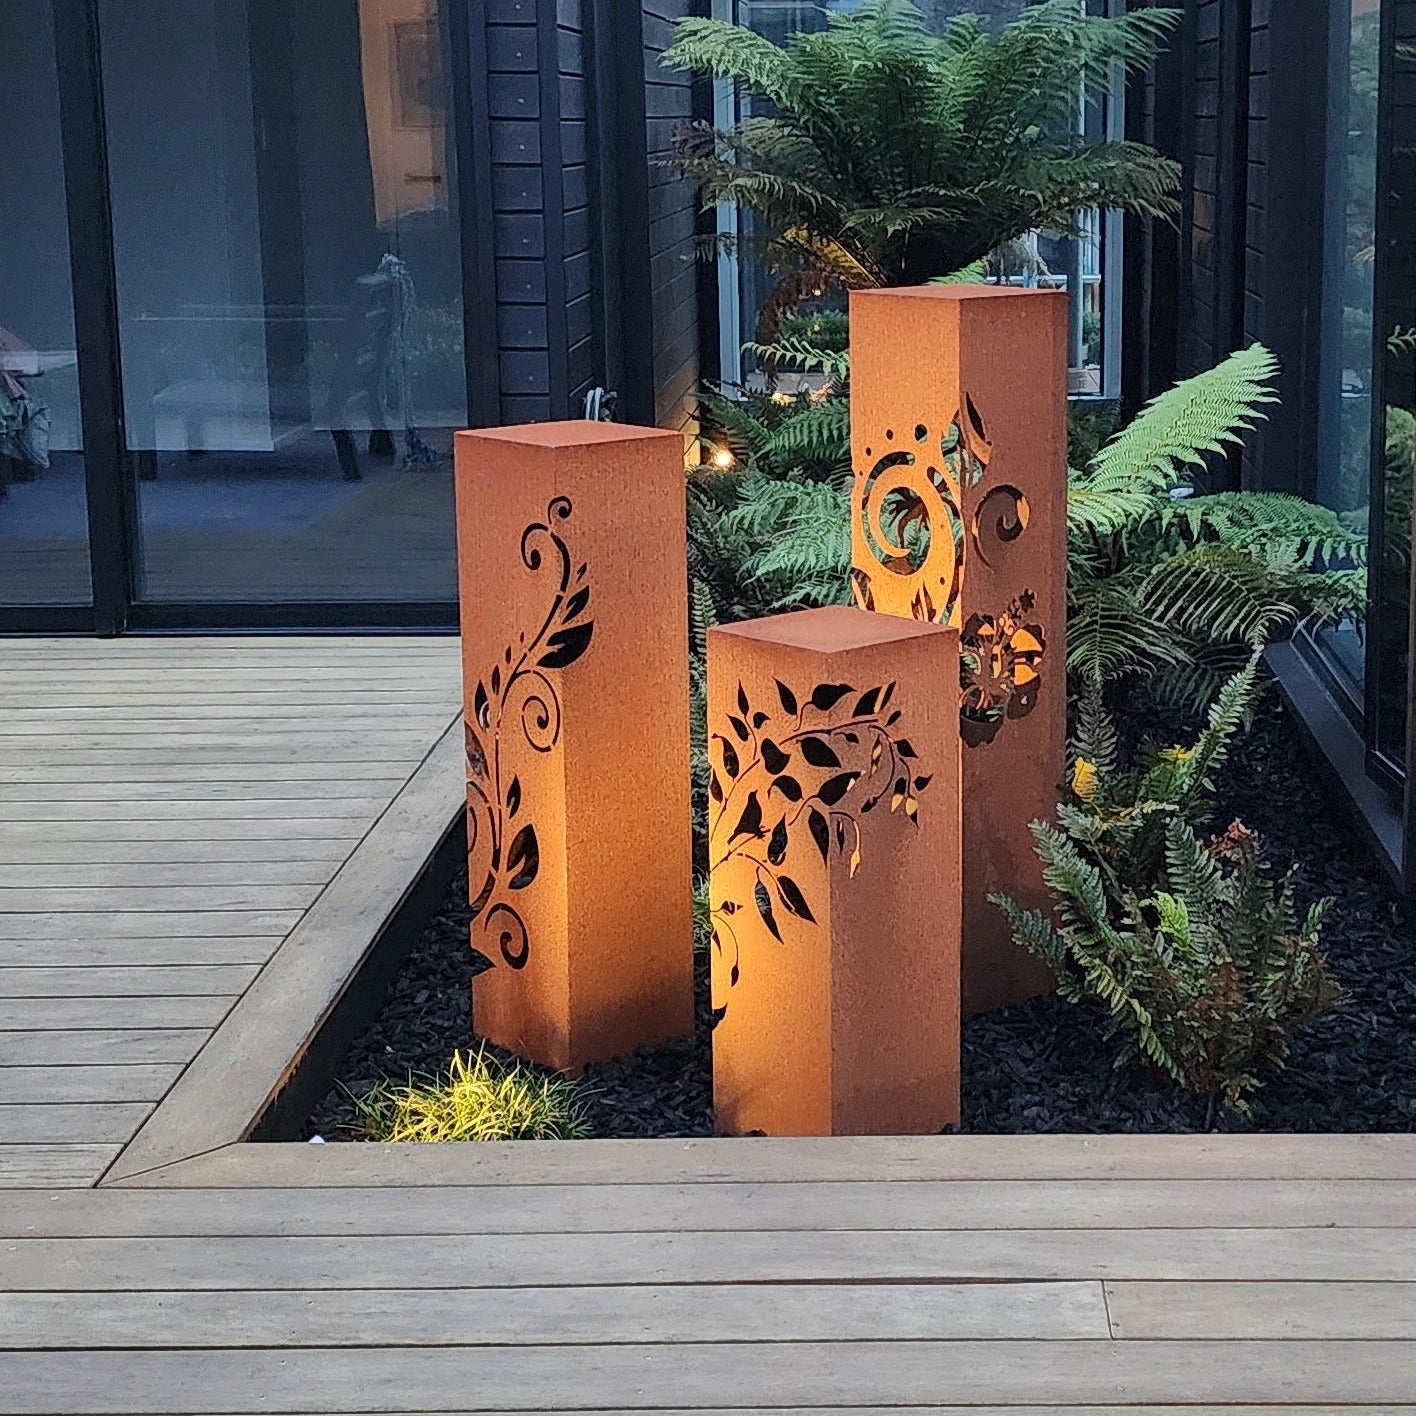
572 556
834 844
959 442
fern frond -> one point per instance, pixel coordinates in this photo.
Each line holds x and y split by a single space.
795 352
1204 414
1219 592
1110 632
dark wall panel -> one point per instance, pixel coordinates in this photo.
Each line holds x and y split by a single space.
673 210
1249 126
537 58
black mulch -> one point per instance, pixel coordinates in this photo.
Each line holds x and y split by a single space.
1040 1066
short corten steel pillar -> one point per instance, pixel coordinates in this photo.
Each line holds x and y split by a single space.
571 548
959 438
835 890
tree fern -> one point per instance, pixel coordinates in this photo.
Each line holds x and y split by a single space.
892 155
1177 430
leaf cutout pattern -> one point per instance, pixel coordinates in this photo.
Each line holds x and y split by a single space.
523 860
819 752
520 697
773 758
777 843
827 695
750 822
793 899
763 901
804 757
566 645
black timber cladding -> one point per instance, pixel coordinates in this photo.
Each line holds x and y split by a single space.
536 57
673 225
1248 78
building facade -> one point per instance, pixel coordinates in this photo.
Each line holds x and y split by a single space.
1295 121
260 259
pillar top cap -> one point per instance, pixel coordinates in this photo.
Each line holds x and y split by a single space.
958 294
577 432
836 629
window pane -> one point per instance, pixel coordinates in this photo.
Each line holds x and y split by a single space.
288 263
44 557
1345 466
1397 279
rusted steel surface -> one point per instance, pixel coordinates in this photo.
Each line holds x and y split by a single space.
959 516
834 841
572 557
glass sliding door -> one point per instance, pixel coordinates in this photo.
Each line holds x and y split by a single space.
287 264
44 548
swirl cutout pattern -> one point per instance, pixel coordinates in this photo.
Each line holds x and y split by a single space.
908 526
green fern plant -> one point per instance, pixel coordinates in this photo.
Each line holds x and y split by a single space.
1202 964
880 153
1166 583
1180 585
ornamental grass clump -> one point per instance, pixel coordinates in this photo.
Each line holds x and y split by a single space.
481 1099
1203 963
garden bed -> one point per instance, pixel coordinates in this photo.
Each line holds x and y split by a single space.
1036 1067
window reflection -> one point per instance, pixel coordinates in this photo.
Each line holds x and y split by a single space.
1397 284
288 260
44 557
1344 478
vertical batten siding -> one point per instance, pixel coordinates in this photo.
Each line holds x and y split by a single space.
536 79
1204 195
673 227
1256 197
1252 140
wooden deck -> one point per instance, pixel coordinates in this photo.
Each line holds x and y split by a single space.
197 839
173 811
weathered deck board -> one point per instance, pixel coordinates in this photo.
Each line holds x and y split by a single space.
109 982
1290 1159
556 1260
145 1011
170 810
68 1122
422 1317
26 1165
1263 1310
651 1376
710 1207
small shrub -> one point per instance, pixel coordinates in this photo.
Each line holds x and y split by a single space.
480 1099
1204 966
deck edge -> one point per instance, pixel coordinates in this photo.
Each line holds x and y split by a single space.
223 1092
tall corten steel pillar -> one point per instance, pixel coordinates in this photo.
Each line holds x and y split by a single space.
959 442
835 875
573 570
